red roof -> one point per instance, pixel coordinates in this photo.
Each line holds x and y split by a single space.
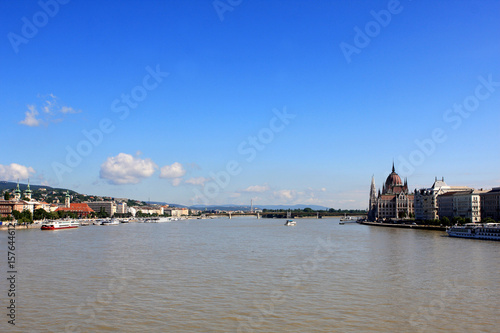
77 207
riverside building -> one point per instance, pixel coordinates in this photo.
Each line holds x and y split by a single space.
465 204
426 202
490 204
393 202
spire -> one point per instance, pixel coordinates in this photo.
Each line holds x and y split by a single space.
17 192
28 192
67 201
393 170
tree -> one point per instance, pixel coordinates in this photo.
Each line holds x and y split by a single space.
308 210
40 214
6 196
445 221
24 216
102 213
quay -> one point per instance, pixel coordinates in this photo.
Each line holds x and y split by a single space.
407 226
22 226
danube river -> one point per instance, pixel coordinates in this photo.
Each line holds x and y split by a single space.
249 275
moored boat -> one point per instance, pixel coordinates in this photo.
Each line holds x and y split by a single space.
346 218
488 231
110 222
59 224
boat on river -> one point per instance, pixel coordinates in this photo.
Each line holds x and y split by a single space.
59 224
347 219
290 222
110 222
488 231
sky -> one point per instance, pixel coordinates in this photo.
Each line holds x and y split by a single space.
227 101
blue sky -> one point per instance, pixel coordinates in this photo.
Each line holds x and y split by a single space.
219 102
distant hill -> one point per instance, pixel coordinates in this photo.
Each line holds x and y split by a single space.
244 208
292 207
11 185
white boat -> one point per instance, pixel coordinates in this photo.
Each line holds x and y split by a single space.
290 222
110 222
488 231
347 219
59 224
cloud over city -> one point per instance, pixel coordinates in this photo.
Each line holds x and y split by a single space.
197 181
126 169
51 111
15 171
257 188
175 170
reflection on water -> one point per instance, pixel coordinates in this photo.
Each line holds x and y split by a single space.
251 275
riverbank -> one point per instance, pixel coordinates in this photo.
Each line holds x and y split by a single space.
21 226
407 226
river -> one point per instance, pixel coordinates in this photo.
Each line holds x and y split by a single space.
249 275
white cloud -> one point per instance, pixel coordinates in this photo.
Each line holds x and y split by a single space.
30 117
257 188
287 195
127 169
197 181
52 111
15 171
68 109
176 170
176 181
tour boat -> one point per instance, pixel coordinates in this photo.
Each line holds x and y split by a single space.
59 224
488 231
110 222
346 218
290 222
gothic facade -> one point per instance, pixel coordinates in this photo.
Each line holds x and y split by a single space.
393 201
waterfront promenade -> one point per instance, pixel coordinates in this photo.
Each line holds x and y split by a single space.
408 226
22 226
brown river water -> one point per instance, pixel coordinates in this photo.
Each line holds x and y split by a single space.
249 275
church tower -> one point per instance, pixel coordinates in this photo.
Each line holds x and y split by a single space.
372 206
67 203
28 192
17 192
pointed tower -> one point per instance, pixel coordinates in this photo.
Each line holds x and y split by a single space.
393 169
373 201
17 192
28 192
67 203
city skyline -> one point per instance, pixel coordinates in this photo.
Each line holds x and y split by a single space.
226 102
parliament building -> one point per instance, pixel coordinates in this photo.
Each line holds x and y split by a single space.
394 201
